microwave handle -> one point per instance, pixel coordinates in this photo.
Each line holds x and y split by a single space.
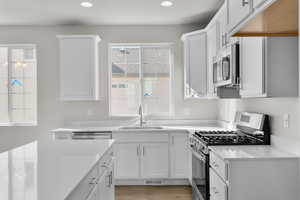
240 80
223 73
223 78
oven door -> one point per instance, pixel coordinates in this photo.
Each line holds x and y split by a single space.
200 176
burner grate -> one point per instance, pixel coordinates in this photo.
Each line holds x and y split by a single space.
226 138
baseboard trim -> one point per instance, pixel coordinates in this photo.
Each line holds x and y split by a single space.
152 182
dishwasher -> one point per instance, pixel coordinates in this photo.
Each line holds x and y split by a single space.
83 135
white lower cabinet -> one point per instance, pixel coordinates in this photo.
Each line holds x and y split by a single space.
179 155
106 186
94 194
98 184
127 160
142 160
257 3
141 156
218 189
260 178
154 160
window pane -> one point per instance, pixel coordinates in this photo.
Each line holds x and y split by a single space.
3 84
156 81
125 81
136 68
22 90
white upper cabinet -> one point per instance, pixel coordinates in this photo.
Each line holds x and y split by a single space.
252 76
238 10
195 65
212 49
222 23
79 67
269 67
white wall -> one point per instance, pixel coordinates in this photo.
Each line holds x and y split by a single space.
275 107
52 113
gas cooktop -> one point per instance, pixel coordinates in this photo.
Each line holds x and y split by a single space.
227 138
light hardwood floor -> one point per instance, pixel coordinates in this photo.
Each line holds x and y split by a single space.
153 193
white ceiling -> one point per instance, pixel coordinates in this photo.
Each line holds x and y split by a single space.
49 12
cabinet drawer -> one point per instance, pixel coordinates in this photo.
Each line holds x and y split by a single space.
218 165
218 189
85 186
140 137
105 162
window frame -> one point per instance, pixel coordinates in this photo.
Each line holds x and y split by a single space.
35 122
171 82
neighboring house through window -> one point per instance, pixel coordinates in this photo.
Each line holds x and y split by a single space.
18 85
141 75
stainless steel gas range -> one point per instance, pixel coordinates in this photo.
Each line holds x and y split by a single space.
251 129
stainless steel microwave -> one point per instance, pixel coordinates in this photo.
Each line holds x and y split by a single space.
226 68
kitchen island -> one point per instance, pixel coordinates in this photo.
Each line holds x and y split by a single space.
49 169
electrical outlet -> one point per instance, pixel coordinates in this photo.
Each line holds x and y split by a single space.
286 120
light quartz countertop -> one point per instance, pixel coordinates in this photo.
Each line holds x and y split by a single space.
166 126
250 152
48 169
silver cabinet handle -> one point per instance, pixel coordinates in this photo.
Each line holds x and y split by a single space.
110 178
215 190
143 151
107 180
215 164
93 181
245 2
173 140
222 40
137 151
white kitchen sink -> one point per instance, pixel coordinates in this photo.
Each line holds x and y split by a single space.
141 128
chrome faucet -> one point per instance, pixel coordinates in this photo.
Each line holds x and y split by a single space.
142 122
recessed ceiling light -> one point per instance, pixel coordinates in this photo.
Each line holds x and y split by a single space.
166 4
86 4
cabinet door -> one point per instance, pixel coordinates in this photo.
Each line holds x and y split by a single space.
257 3
196 64
212 47
94 194
179 155
79 68
218 189
127 160
238 10
252 67
155 160
222 23
106 187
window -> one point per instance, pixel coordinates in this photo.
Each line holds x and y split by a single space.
141 75
18 85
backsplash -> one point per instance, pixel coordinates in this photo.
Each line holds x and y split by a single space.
277 108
